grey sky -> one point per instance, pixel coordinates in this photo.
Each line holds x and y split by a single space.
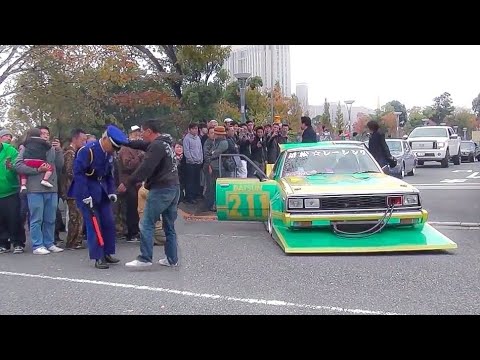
412 74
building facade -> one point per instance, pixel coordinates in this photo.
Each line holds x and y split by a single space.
257 60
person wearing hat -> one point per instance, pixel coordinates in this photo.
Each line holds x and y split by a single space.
93 187
6 136
129 161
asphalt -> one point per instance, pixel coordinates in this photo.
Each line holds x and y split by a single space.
236 268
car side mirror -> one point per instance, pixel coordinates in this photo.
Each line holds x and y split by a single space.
454 137
405 137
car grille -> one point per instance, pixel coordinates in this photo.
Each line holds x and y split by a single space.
421 145
353 202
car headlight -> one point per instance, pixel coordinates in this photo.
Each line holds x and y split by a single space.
295 203
411 199
312 203
441 144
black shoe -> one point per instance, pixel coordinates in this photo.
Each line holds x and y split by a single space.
101 264
111 260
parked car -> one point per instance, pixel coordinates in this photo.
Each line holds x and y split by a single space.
470 150
406 159
435 143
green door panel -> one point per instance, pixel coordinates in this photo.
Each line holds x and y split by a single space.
244 199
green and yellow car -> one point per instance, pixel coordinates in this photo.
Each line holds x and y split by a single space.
330 197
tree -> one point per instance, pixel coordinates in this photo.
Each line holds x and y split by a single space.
255 82
442 107
360 125
476 105
181 65
463 118
325 118
415 117
389 123
398 106
224 109
17 59
339 122
72 86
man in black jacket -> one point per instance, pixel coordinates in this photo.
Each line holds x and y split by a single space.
309 135
378 146
159 171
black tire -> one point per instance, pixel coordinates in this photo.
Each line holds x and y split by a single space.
444 162
401 175
420 162
471 159
457 159
412 173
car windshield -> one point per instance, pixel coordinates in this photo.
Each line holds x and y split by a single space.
328 161
395 146
467 146
428 132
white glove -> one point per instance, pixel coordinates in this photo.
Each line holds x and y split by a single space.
112 197
88 201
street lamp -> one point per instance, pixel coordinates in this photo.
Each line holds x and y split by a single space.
242 82
349 103
465 133
397 114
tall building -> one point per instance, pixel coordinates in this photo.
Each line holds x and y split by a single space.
257 60
302 94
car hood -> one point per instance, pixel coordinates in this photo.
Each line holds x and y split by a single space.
330 184
441 138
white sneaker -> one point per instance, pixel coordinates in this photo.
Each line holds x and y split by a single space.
138 263
164 262
41 251
55 249
46 183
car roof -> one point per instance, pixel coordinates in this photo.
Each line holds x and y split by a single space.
322 145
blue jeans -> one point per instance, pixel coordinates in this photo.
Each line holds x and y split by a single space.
162 202
43 213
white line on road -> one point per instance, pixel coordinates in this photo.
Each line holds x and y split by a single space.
204 296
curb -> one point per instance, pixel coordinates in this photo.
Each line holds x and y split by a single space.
190 217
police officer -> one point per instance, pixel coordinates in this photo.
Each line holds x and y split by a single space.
93 187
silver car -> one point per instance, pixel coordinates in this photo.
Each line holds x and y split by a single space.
406 159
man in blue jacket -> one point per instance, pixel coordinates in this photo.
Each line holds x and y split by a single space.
93 188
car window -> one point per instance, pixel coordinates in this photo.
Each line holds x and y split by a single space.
328 161
428 132
394 145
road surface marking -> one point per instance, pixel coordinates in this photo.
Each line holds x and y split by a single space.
455 223
474 176
457 171
453 180
200 295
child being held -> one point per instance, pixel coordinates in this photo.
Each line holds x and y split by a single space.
35 155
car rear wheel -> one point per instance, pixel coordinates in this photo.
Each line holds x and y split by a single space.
412 172
402 172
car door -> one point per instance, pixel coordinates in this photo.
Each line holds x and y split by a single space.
244 199
409 157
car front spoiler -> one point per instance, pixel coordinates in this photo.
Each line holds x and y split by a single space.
309 241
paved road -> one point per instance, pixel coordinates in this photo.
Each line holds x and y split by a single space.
451 194
235 268
230 268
